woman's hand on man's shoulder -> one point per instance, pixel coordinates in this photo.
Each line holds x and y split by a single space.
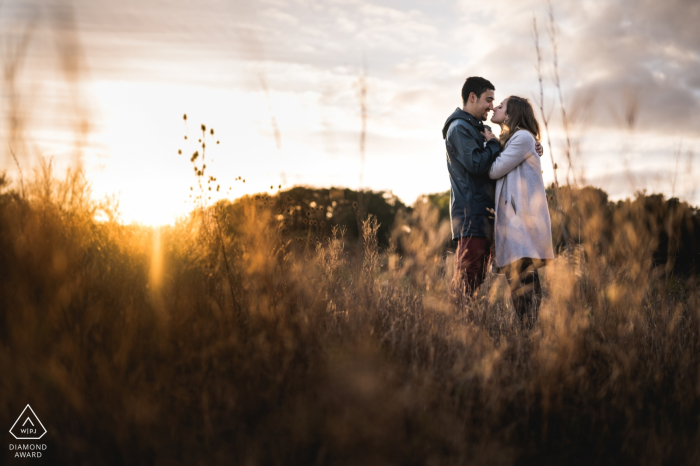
538 148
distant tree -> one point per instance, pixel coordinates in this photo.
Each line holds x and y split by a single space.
309 213
442 202
668 228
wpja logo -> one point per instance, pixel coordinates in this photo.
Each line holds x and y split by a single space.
28 427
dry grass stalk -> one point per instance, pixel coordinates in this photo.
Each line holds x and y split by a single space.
341 356
557 84
545 122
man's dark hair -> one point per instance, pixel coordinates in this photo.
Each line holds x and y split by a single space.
477 85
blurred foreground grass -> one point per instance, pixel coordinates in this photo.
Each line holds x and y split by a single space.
135 345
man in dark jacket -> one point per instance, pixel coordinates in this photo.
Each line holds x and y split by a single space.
469 158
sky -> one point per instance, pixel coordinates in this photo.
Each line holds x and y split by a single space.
105 85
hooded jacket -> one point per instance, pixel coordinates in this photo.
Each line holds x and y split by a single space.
468 164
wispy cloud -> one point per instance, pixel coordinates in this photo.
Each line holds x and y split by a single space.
418 53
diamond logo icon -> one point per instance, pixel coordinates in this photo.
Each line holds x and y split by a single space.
28 426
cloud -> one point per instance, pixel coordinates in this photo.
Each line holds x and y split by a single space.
607 50
615 57
629 50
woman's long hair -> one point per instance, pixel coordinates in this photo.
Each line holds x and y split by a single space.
519 115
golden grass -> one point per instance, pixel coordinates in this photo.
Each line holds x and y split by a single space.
127 344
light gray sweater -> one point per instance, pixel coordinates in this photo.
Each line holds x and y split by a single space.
522 224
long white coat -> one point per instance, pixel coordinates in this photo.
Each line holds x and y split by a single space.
522 224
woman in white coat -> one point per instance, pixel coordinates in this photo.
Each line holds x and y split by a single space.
523 231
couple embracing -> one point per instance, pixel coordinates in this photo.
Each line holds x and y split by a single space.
497 196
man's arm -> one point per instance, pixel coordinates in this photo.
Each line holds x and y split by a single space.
477 160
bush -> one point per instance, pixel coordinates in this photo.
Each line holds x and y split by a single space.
225 340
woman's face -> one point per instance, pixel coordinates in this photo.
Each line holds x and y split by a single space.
499 113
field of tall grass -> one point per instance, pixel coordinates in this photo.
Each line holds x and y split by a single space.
246 334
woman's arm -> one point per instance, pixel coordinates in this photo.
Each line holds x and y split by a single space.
476 158
518 150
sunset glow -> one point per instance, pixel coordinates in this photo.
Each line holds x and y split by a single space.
280 85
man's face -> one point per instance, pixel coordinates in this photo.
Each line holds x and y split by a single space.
484 104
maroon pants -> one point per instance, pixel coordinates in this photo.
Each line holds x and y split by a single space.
473 255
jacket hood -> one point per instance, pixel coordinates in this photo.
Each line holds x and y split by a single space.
460 114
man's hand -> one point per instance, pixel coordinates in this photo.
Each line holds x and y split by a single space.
487 134
492 212
538 148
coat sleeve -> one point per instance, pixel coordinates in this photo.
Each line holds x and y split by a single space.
511 156
477 160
